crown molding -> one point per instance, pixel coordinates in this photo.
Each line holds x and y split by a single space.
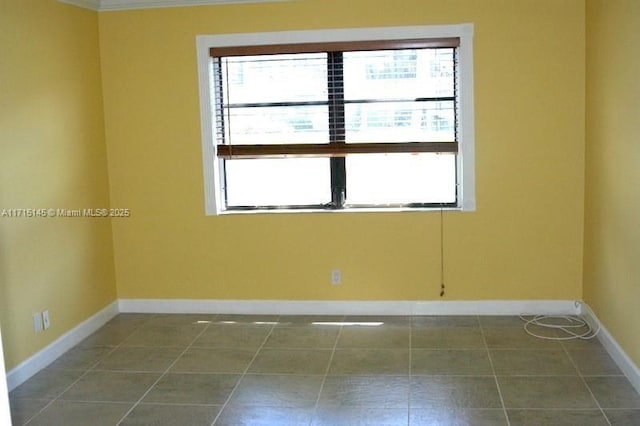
106 5
85 4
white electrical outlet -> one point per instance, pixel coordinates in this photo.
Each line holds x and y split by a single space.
45 319
37 322
336 277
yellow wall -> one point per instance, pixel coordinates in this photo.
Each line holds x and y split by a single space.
524 241
612 225
52 155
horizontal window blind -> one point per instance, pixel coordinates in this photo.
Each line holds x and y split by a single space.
335 99
346 46
337 125
331 150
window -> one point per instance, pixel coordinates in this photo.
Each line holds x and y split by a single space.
336 125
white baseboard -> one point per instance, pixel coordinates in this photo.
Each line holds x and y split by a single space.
626 364
330 307
51 352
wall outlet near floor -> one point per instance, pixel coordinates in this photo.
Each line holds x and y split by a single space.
45 319
336 277
37 322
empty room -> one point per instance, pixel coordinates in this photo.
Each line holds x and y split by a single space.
319 212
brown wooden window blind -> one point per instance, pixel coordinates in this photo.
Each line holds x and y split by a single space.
336 101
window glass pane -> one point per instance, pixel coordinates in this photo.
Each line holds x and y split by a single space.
403 95
401 178
274 125
275 78
400 122
299 181
398 74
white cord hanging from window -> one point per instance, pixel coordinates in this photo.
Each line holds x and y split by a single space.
441 252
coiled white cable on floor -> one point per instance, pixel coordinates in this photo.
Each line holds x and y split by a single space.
567 324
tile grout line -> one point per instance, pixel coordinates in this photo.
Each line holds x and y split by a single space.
564 348
50 403
86 371
244 373
163 374
493 369
326 373
170 404
135 329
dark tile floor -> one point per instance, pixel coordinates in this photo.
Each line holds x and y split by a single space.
191 370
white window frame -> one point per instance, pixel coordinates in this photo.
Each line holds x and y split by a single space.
465 157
